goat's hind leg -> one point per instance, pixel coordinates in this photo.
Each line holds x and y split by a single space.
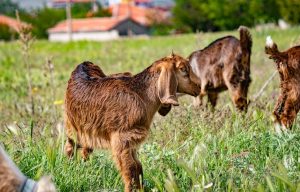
69 147
288 115
130 167
278 110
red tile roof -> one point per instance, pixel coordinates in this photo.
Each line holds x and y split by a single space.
88 24
120 12
11 22
138 14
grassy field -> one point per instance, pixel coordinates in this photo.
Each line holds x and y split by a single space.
189 150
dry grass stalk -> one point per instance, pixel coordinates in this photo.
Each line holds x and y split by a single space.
50 70
26 41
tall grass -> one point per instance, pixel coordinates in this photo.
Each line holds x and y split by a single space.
189 150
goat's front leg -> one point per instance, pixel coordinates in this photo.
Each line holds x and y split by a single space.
124 153
69 147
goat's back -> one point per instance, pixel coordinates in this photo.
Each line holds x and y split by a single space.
294 57
100 106
217 60
218 52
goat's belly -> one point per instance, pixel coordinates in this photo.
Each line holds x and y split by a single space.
93 140
217 89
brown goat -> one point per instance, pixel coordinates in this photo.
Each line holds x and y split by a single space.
288 66
12 180
224 64
96 72
116 112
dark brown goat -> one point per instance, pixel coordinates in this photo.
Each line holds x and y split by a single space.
116 112
288 66
224 64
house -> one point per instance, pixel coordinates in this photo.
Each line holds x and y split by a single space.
126 20
161 4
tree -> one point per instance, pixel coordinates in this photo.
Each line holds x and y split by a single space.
189 16
217 15
7 7
263 11
289 10
42 19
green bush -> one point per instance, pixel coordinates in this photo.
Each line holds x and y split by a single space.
289 10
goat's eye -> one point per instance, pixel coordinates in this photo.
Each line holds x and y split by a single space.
184 71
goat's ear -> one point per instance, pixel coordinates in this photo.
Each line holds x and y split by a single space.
167 86
164 110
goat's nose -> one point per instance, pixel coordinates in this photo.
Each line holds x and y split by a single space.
196 93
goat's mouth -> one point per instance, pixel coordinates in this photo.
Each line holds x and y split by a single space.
193 93
196 93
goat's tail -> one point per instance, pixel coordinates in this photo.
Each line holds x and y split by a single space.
246 45
271 47
272 50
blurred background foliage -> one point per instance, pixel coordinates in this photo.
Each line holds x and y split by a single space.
205 15
45 18
187 15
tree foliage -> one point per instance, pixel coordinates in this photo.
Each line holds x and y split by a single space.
42 19
206 15
290 10
7 7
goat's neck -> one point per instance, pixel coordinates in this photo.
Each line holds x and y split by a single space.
146 86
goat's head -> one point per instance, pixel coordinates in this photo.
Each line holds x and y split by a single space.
175 76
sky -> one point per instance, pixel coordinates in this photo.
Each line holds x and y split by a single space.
28 4
32 4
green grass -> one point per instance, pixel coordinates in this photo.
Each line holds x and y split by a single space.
189 150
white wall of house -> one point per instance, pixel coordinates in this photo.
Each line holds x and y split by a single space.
76 36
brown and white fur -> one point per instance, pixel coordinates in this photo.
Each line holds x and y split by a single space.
288 66
116 112
222 65
13 180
